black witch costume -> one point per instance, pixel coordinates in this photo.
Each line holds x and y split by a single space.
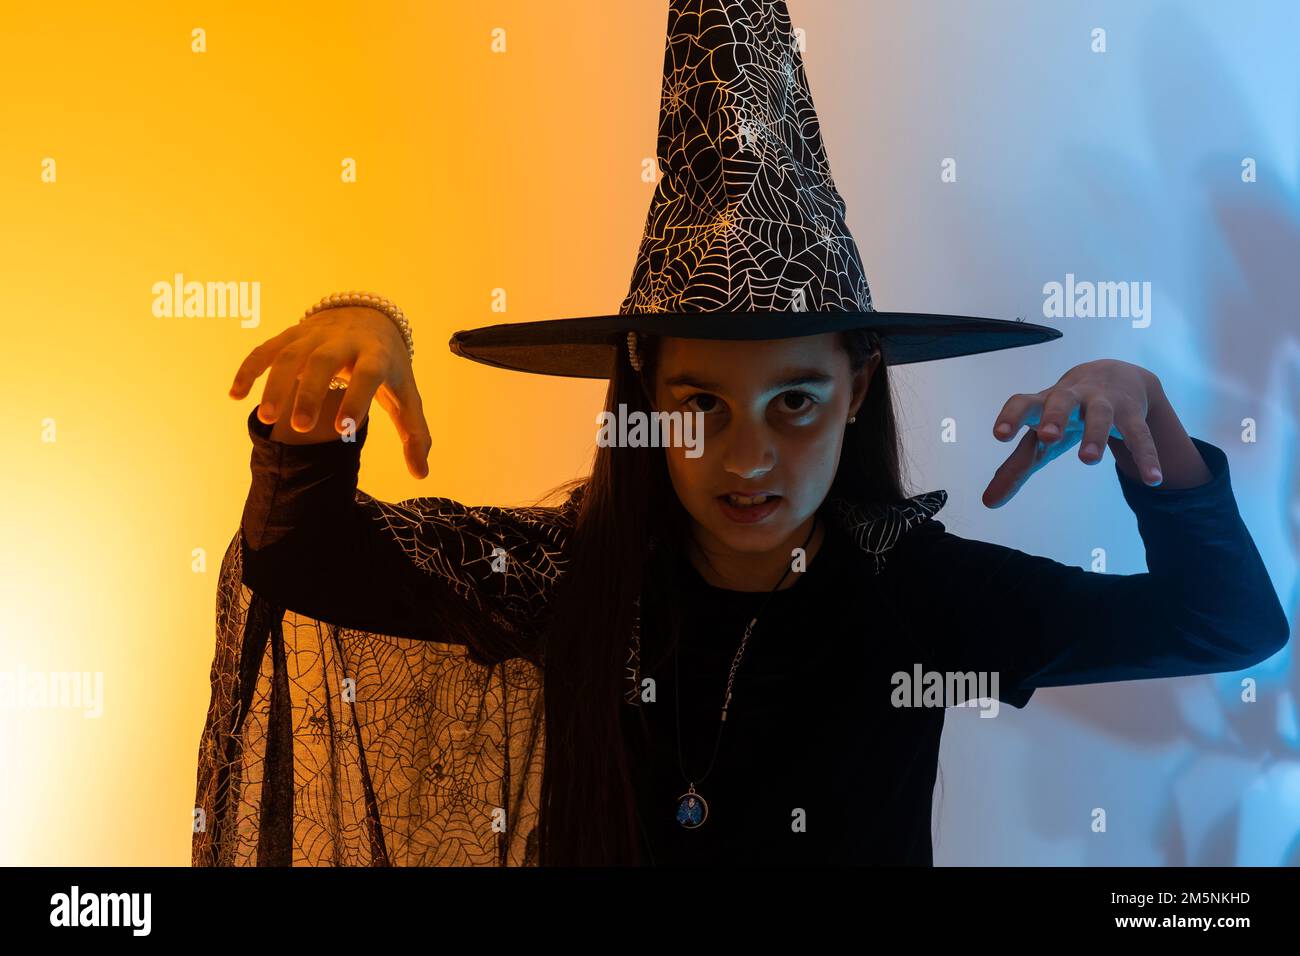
364 714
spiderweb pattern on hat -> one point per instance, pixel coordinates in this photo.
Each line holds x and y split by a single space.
746 216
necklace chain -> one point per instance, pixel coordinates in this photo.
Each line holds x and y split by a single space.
731 678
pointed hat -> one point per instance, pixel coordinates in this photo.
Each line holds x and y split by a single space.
746 237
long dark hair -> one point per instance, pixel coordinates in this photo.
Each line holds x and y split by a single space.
588 808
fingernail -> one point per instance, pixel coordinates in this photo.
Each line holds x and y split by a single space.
301 419
268 409
1003 428
1090 449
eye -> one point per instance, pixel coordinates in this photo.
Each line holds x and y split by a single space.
794 393
703 395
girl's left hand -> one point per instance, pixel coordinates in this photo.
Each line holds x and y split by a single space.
1105 400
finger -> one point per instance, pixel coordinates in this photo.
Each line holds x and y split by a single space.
1057 410
367 376
1140 444
1013 472
321 365
282 381
1099 415
257 362
420 441
1015 412
401 400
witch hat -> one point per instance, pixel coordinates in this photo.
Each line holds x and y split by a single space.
746 237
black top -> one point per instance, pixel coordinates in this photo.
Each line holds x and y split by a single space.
815 765
818 763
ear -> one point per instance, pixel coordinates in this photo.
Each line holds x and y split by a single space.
862 382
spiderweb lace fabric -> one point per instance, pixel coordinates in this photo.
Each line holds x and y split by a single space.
333 746
327 745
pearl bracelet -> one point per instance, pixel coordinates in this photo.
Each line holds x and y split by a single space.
340 299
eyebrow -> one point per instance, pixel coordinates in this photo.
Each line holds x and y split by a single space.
794 377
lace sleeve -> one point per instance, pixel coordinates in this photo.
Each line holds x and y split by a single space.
426 567
375 687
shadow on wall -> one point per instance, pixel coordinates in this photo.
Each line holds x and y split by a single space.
1230 249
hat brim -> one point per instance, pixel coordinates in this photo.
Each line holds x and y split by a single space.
587 347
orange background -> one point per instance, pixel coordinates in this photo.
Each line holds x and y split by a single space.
475 171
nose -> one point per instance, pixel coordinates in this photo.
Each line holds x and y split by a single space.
749 453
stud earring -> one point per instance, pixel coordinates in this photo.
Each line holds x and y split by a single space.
852 419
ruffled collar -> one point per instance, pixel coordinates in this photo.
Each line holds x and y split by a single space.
877 527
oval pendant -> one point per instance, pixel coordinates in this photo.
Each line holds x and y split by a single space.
692 811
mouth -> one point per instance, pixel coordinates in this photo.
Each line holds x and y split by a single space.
747 510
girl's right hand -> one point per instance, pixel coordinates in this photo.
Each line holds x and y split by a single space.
357 343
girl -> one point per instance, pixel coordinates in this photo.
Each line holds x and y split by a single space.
432 759
737 657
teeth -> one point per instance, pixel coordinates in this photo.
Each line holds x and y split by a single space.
741 500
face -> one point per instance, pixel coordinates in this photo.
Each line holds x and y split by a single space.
774 414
